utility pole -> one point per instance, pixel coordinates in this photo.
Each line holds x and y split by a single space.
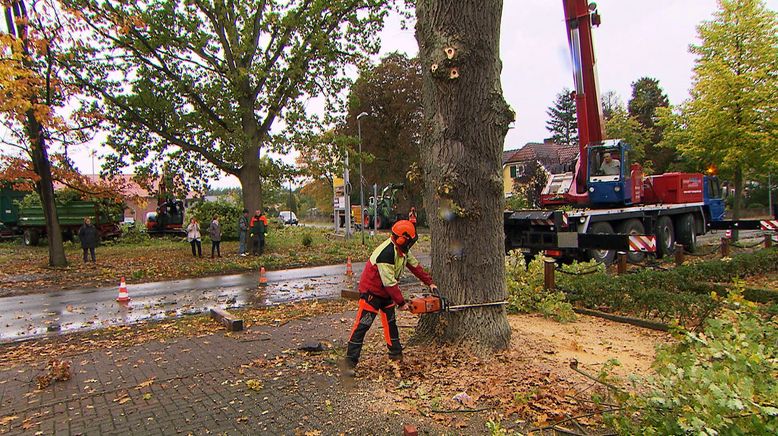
346 191
375 206
361 180
770 195
290 196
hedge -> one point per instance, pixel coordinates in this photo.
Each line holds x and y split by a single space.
683 294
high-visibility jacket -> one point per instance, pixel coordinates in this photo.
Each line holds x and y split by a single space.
258 226
383 271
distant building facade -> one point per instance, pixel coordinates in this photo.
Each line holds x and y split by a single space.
139 201
553 158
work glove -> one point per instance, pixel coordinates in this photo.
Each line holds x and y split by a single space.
434 289
251 235
405 307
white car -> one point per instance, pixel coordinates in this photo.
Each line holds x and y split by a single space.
288 217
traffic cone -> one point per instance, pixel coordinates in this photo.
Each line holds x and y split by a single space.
262 277
349 271
124 296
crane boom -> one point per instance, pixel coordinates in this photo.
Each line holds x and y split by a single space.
580 16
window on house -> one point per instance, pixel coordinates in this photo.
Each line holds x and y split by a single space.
520 170
513 171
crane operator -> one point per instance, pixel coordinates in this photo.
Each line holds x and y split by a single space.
610 166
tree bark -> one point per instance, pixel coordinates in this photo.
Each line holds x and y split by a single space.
251 185
465 123
249 175
738 203
38 148
45 188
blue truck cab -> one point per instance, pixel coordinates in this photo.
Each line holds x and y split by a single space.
608 181
713 197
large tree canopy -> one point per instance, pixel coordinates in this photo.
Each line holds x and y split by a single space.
202 84
620 125
647 96
30 92
731 119
390 93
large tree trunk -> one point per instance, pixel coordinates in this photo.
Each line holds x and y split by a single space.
251 185
17 27
738 203
465 122
45 187
249 175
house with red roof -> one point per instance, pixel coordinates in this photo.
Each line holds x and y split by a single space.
140 201
553 158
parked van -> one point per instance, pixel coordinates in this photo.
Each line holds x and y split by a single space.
288 217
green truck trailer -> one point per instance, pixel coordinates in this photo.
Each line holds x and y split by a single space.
30 222
9 211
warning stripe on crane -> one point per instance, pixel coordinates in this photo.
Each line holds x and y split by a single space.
642 243
548 222
769 225
564 220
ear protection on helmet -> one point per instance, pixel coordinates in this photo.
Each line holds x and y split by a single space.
404 235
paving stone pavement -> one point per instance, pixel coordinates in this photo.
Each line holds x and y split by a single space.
198 385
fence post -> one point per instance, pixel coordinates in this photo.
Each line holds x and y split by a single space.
768 240
622 265
724 247
548 274
680 256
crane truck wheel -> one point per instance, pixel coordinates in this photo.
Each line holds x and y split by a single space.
31 237
633 227
665 236
601 256
685 232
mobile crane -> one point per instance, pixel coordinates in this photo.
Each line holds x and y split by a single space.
607 204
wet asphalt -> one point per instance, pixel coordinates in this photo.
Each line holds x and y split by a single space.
32 316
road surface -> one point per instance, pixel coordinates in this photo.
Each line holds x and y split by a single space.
31 316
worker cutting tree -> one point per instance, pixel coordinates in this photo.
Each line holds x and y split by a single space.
380 291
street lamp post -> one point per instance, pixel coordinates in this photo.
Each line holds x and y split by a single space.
361 188
347 193
291 200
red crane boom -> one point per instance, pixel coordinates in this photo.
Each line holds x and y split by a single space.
580 16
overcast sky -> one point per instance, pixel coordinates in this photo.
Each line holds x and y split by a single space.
636 39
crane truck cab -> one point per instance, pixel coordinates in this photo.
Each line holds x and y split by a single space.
613 179
713 197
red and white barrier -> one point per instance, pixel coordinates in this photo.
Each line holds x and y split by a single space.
769 225
642 243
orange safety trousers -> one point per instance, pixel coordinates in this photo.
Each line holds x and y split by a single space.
371 306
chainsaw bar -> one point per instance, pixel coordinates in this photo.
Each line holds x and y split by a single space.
468 306
432 303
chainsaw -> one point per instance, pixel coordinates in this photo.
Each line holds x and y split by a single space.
433 303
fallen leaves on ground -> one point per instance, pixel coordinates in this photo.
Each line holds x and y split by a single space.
765 281
452 385
254 384
126 336
56 370
145 384
8 419
24 270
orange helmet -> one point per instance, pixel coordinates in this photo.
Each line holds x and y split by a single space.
404 235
